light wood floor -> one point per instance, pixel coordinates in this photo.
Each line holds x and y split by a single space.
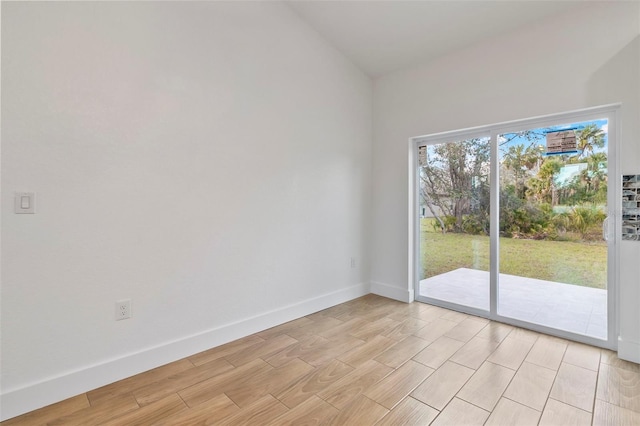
372 361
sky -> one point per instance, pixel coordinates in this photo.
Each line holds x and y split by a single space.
519 140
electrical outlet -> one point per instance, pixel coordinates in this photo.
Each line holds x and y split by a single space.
353 262
123 309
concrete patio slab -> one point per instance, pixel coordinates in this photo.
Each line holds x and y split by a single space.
581 310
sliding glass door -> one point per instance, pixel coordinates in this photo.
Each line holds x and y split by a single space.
553 207
512 222
454 217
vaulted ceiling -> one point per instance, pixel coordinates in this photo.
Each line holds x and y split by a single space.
384 36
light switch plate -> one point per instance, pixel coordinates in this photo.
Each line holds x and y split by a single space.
25 202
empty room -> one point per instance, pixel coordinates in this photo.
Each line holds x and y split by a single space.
320 212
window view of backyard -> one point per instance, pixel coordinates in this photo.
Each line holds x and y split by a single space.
553 202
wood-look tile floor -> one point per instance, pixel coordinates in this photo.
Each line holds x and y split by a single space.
372 361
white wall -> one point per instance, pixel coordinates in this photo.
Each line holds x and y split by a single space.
210 161
571 61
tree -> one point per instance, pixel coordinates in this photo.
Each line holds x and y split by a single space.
454 182
543 186
588 139
596 167
520 161
591 184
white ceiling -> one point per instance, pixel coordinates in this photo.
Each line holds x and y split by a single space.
384 36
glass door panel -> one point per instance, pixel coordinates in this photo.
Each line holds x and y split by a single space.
454 222
553 207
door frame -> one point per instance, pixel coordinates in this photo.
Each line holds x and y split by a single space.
612 114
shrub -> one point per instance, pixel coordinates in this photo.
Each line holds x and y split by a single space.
522 218
476 225
585 217
449 224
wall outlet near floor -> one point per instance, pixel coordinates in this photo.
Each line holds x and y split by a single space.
123 309
353 262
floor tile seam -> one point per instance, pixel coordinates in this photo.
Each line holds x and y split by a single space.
107 401
190 361
576 365
241 379
571 405
469 402
417 331
134 389
189 384
369 359
393 370
454 395
555 375
521 403
510 368
86 395
431 406
410 359
460 340
325 400
484 338
408 394
127 413
356 366
441 411
513 330
410 335
616 405
595 391
415 360
76 411
288 361
527 405
105 421
283 394
136 399
187 405
384 365
462 365
428 321
595 396
235 367
290 385
505 388
595 388
361 394
279 401
498 347
555 372
543 366
416 400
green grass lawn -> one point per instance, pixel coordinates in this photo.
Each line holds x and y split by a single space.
567 262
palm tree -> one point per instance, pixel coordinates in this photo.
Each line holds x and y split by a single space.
596 165
543 186
589 138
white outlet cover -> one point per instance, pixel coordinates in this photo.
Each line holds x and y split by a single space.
123 309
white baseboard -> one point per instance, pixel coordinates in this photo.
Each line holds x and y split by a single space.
629 350
19 401
392 292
